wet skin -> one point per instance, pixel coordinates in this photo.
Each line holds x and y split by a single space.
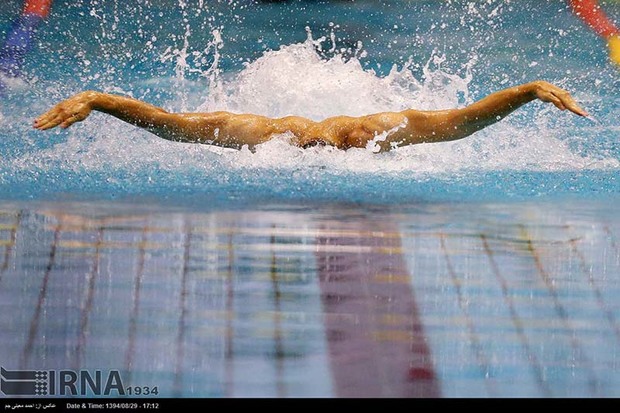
236 130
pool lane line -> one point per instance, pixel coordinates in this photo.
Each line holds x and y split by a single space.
516 320
483 362
294 232
229 351
301 248
8 248
88 305
596 290
180 341
135 310
34 322
367 360
277 336
578 351
372 349
121 245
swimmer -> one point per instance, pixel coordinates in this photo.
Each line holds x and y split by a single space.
231 130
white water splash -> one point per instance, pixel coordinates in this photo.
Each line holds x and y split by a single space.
295 80
373 144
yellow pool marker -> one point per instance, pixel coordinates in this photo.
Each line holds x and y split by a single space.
614 48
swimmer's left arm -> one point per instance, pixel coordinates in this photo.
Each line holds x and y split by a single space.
439 126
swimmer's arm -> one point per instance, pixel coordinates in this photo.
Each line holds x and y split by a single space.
183 127
447 125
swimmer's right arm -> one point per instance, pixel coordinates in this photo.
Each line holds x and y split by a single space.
176 127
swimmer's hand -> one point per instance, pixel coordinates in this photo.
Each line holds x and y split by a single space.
66 113
559 97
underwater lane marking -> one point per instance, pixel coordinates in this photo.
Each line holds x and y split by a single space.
352 249
135 310
229 352
483 362
9 244
34 322
93 274
86 224
76 244
518 323
593 381
180 340
277 333
376 340
297 232
596 290
612 238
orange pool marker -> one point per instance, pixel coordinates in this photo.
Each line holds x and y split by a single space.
591 13
37 7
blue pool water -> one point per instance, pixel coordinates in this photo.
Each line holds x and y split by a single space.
256 58
484 267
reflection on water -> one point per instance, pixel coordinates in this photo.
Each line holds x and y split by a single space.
333 300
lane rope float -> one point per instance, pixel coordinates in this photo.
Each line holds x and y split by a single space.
20 38
593 15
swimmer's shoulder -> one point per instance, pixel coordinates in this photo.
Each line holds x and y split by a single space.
419 118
